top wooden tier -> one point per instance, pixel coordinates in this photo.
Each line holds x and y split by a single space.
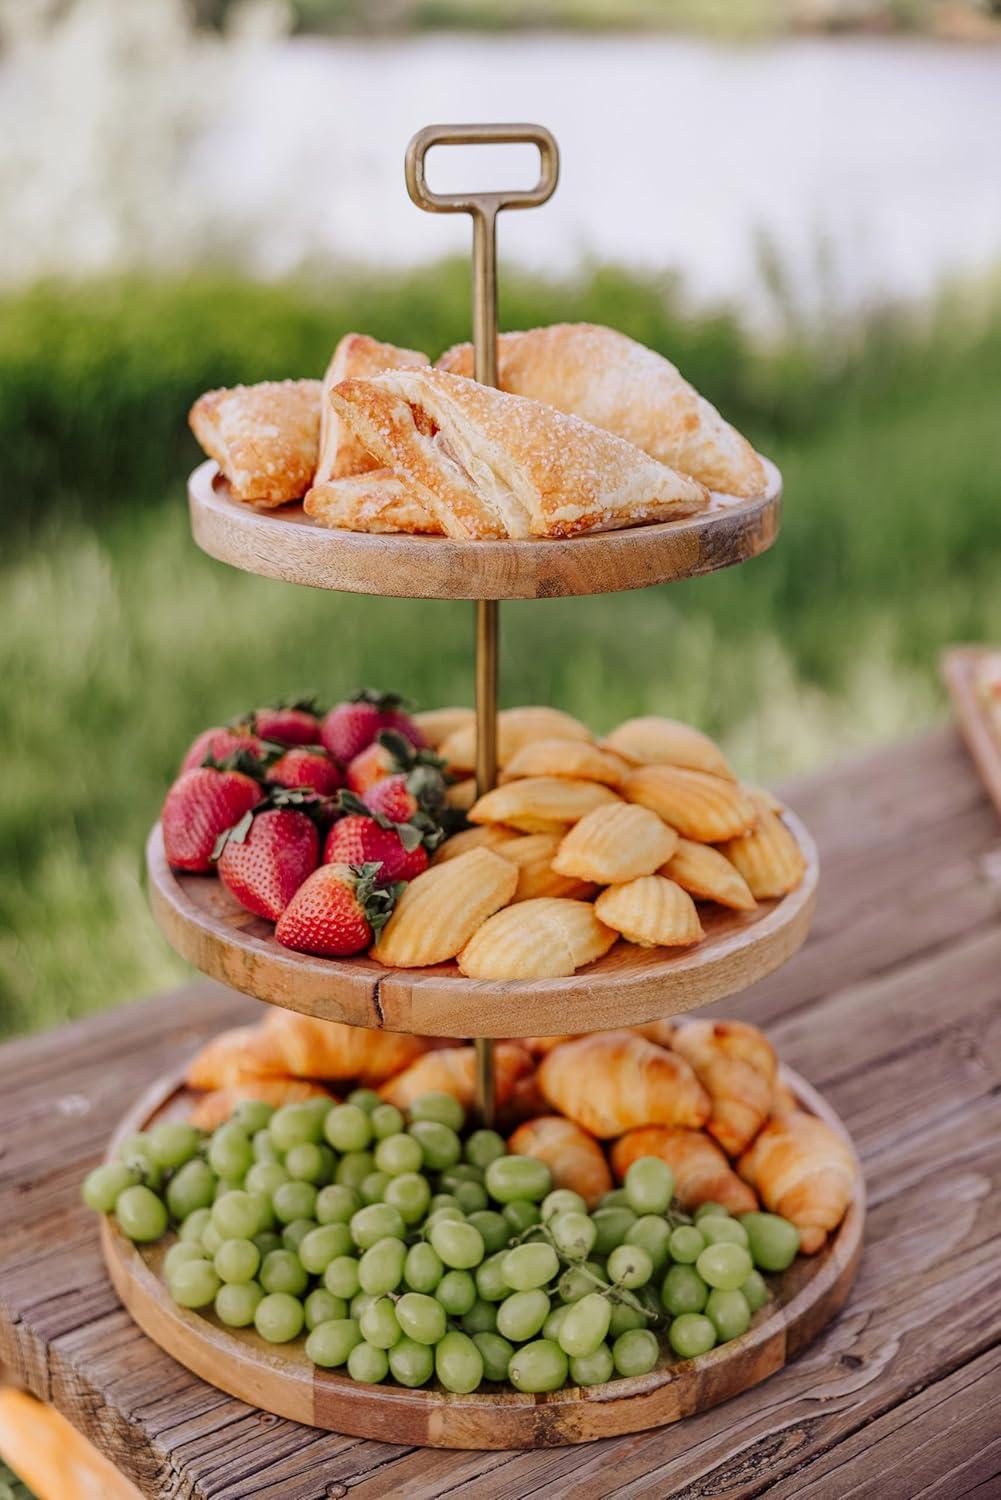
287 544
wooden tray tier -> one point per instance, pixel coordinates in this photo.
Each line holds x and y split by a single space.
286 543
630 985
280 1379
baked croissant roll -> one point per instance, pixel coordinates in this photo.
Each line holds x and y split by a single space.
701 807
215 1108
654 741
516 728
804 1170
612 1081
375 502
574 1158
288 1044
618 384
357 356
265 438
452 1070
741 1094
702 1173
493 465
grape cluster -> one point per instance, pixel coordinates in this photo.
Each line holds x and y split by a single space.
405 1248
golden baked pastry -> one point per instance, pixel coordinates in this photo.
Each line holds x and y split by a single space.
440 910
357 356
462 794
375 502
653 741
561 757
741 1094
613 1081
492 836
493 465
652 912
540 804
265 438
533 854
701 807
452 1070
541 939
705 873
436 724
516 727
768 857
614 843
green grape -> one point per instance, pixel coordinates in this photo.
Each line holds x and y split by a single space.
510 1178
772 1240
367 1364
456 1291
691 1334
377 1221
710 1210
649 1299
409 1194
521 1215
141 1214
265 1211
293 1234
309 1162
321 1306
373 1187
635 1352
253 1115
458 1363
294 1200
353 1168
562 1201
649 1186
472 1197
617 1198
573 1233
348 1127
729 1314
624 1317
336 1204
379 1324
211 1239
294 1125
237 1261
322 1245
411 1363
483 1147
230 1152
463 1171
179 1252
421 1318
586 1324
459 1244
329 1344
481 1317
630 1266
490 1283
191 1187
102 1186
530 1265
755 1291
174 1142
495 1351
686 1244
423 1268
493 1228
319 1107
282 1271
443 1108
267 1240
237 1302
724 1266
341 1277
716 1230
135 1152
263 1146
578 1281
267 1176
611 1227
399 1154
521 1316
194 1225
366 1099
194 1284
594 1368
439 1143
279 1317
653 1234
451 1213
541 1366
443 1200
683 1291
386 1120
228 1185
555 1320
237 1215
359 1302
381 1267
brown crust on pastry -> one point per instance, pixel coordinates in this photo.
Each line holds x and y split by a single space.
265 438
357 356
373 502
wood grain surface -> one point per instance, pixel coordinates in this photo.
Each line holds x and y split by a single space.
288 544
208 927
960 666
890 1009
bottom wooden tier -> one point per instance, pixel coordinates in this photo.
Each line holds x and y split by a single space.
280 1379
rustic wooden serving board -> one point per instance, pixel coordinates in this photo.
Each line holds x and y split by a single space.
630 985
960 666
286 543
280 1379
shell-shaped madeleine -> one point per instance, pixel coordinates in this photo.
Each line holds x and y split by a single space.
515 727
533 854
652 741
536 803
488 836
652 912
541 939
768 857
462 794
567 758
440 910
704 872
437 724
700 806
616 843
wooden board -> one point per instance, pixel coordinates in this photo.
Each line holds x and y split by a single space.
286 543
280 1379
208 927
960 665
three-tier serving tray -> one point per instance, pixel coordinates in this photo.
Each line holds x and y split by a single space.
628 986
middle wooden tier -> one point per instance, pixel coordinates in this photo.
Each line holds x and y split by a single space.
630 985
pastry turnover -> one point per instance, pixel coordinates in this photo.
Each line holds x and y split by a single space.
768 857
540 804
356 356
702 1173
652 912
701 807
612 1081
376 502
803 1170
438 912
567 758
653 741
741 1095
533 854
618 384
493 465
452 1070
265 438
574 1158
516 728
547 938
614 843
708 875
436 724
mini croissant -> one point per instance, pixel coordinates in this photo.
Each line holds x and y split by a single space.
702 1173
612 1081
700 806
215 1108
803 1170
574 1158
452 1070
741 1095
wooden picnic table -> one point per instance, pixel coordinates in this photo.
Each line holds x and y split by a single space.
893 1009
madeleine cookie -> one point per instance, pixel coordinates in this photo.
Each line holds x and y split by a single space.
652 741
567 758
436 724
541 939
533 854
440 910
615 843
538 804
700 806
768 857
704 872
652 912
461 794
490 836
515 727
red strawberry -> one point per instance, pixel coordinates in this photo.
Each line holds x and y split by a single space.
201 805
336 912
351 727
358 840
288 723
370 766
393 798
266 858
306 766
219 743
